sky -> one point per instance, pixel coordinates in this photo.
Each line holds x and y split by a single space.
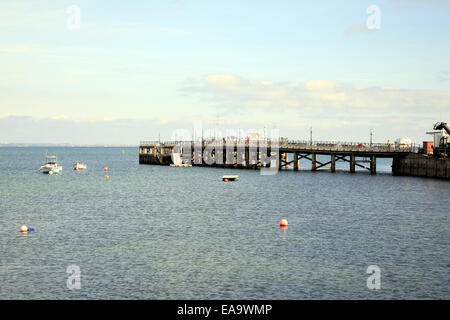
119 72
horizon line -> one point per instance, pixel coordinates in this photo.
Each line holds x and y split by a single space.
40 144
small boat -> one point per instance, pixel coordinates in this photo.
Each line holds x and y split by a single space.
181 165
79 166
178 161
227 178
51 165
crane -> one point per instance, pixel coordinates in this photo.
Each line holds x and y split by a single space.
444 142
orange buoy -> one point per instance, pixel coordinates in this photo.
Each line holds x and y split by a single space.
283 223
105 169
225 180
23 229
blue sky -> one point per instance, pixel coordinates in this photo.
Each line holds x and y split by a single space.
139 68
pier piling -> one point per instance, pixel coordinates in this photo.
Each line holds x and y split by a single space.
255 154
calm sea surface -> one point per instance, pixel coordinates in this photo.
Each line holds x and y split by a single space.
151 232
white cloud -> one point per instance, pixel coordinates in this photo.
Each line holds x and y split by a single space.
320 84
340 110
444 76
317 96
61 117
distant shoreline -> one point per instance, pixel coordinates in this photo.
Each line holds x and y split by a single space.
25 145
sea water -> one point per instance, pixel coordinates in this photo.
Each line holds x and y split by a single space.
157 232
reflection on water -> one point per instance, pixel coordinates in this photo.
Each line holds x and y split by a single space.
284 232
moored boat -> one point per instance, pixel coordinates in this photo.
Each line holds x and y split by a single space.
79 166
51 165
227 178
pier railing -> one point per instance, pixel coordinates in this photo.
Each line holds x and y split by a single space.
337 146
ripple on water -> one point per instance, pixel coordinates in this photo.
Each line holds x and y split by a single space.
152 232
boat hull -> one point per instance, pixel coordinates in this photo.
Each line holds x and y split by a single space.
51 172
48 170
51 165
79 167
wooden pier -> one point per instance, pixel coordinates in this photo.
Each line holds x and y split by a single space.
283 153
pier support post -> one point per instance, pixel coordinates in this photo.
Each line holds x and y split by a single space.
395 166
373 164
333 162
280 158
229 155
218 155
253 155
296 161
352 163
198 153
224 156
190 156
314 162
241 156
258 160
247 157
267 160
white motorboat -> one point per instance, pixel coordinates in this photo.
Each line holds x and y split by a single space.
178 161
227 178
51 165
79 166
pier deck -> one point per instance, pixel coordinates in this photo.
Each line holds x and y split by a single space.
267 153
